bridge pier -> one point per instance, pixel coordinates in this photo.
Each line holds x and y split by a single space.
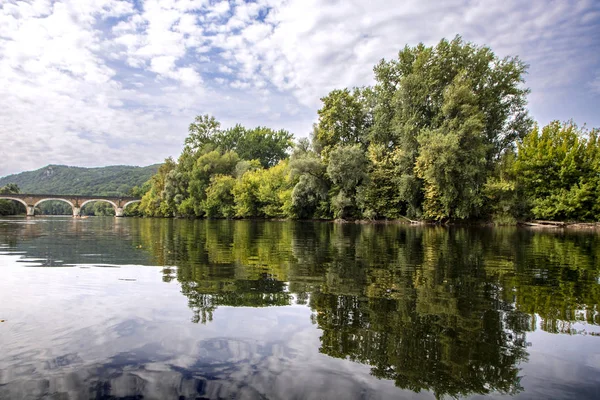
76 211
119 212
30 211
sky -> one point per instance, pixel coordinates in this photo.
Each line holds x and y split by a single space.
104 82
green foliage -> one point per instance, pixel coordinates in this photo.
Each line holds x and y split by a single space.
54 207
245 193
379 197
10 207
451 159
98 208
435 125
153 203
207 165
417 99
347 169
244 166
309 198
344 118
310 193
275 191
219 173
261 143
424 74
559 172
219 201
264 193
202 131
10 188
504 199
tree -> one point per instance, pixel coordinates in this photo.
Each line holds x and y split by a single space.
202 131
558 169
245 193
8 207
347 169
311 184
219 201
275 191
410 95
153 203
379 197
451 159
505 202
11 188
207 165
434 138
344 119
264 193
261 143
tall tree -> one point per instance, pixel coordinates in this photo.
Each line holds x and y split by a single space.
261 143
347 169
153 203
410 99
202 131
451 158
345 118
209 164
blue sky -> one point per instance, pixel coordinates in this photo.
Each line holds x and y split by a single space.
101 82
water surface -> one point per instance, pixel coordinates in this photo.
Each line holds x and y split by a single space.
107 308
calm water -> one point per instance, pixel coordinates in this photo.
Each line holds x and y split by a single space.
106 308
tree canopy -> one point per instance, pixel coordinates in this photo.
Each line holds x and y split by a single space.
443 135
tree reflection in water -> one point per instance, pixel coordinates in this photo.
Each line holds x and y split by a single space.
440 309
430 308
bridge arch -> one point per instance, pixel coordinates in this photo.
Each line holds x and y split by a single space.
31 210
3 197
54 199
104 200
131 202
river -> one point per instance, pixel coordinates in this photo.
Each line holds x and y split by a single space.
125 308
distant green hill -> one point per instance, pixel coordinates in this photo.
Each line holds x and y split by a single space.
60 179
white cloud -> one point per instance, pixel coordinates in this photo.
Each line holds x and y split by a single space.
225 69
99 82
219 9
240 85
162 64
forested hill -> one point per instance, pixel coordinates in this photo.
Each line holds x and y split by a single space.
60 179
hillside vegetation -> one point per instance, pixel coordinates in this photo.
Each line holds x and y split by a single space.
117 180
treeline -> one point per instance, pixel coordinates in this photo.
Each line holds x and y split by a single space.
9 207
444 134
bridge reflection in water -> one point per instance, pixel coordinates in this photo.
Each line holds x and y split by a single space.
31 201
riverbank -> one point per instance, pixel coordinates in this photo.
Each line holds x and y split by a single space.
560 225
534 224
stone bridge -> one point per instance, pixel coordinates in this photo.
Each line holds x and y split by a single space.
30 201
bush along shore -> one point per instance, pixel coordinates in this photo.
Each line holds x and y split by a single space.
444 136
